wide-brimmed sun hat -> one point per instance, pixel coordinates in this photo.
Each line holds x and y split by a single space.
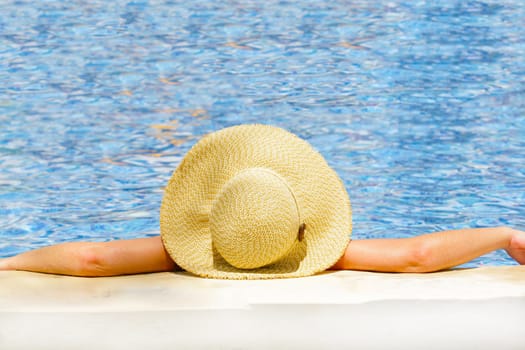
255 202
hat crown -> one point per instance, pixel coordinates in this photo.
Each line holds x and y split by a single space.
254 220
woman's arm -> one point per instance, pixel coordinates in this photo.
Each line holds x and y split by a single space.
431 252
112 258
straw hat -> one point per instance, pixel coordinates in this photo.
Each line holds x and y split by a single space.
254 202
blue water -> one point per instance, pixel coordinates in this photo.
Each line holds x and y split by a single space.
419 106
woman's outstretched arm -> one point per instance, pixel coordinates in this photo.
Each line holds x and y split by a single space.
431 252
122 257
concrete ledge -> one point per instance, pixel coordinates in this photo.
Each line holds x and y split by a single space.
481 308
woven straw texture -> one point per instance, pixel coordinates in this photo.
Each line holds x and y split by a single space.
254 178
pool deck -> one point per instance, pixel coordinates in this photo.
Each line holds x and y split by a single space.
481 308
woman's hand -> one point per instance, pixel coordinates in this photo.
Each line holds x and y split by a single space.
516 247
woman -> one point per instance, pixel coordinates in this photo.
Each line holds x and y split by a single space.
255 201
425 253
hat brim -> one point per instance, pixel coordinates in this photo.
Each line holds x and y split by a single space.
321 196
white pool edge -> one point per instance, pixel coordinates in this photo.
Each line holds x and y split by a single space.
469 309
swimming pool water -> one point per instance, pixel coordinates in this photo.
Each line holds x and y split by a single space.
419 106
